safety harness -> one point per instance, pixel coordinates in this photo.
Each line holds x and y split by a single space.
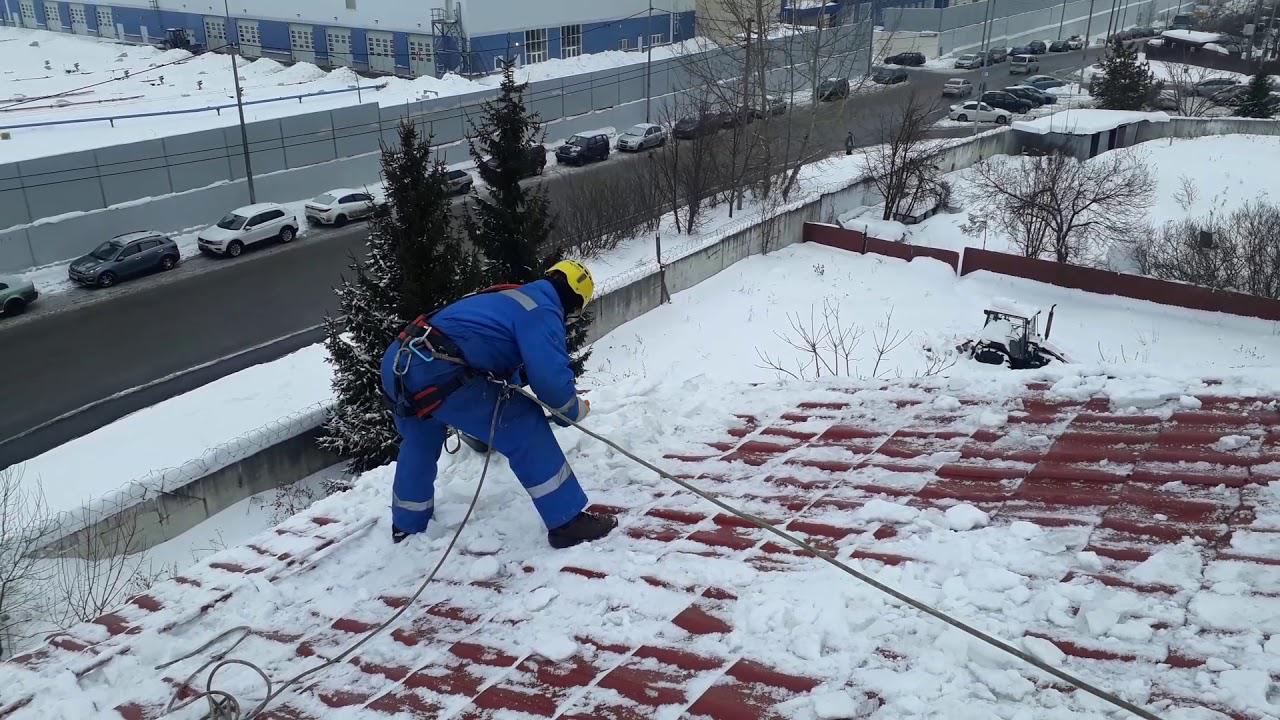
419 338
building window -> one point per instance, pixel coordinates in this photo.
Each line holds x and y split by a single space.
655 39
535 45
624 44
248 32
570 41
300 38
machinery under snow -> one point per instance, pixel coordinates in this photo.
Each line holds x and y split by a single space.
1011 337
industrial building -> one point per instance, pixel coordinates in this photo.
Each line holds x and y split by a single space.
425 37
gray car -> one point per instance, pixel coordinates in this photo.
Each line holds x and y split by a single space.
123 257
15 295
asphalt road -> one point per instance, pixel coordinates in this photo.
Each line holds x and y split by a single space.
81 359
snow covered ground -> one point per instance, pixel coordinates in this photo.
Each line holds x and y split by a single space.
1222 172
198 82
512 616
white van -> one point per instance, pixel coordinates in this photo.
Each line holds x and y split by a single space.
1023 65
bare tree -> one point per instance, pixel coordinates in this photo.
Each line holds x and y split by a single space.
825 345
97 567
684 172
1238 252
884 340
902 165
598 213
1077 205
1180 89
25 526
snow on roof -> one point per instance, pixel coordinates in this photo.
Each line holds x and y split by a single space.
1012 307
994 495
1086 121
1192 36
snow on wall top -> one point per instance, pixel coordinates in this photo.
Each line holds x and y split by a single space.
1086 121
1097 520
1192 36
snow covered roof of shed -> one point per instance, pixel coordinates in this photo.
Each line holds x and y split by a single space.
1086 121
1099 521
1192 36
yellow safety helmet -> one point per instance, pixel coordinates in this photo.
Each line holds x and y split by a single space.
579 278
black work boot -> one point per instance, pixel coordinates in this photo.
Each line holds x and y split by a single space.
397 534
583 528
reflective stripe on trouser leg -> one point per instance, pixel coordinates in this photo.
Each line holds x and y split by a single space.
525 439
413 491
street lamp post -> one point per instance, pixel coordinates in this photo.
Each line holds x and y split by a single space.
244 133
648 61
1084 49
986 61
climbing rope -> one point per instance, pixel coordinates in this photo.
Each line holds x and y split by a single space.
223 706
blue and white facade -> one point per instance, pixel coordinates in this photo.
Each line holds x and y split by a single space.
402 37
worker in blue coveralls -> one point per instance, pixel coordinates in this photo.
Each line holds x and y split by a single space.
433 375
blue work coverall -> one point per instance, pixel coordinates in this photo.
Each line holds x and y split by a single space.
499 332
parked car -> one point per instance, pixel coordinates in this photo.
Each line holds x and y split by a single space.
833 89
906 58
1020 50
1213 86
969 61
584 147
1030 94
123 257
694 126
535 161
1043 96
1182 22
889 76
460 181
1059 46
773 105
1022 64
1038 47
247 226
1075 42
15 295
998 54
641 137
957 87
336 207
1166 99
1005 101
967 112
1044 82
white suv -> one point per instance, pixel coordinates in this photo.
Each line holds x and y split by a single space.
336 207
246 226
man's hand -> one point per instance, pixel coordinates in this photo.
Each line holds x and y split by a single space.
586 409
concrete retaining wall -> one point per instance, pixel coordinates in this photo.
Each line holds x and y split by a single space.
1193 127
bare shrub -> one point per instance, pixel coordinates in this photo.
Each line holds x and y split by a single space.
825 344
1180 88
1238 252
1187 193
98 567
884 340
25 526
596 214
1056 205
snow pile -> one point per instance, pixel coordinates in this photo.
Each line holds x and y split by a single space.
1192 36
1086 121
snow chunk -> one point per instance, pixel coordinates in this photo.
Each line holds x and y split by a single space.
1227 443
484 568
1044 650
1272 646
966 517
1180 566
555 647
946 402
1188 402
540 598
838 706
993 418
885 511
1024 530
484 545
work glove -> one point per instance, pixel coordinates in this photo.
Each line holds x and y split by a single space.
584 408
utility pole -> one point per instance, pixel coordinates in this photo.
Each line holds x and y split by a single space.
1084 50
648 61
1062 18
244 133
871 38
986 61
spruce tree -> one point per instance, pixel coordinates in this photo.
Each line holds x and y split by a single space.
1258 102
511 224
416 263
1126 83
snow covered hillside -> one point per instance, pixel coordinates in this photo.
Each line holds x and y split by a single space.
1194 177
1114 519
